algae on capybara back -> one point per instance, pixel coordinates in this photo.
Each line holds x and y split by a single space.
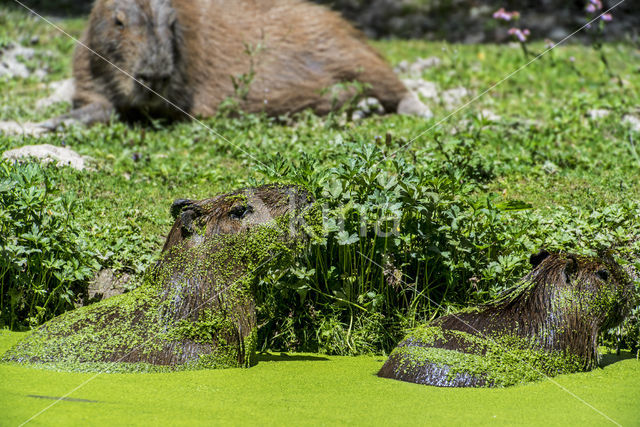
546 326
195 308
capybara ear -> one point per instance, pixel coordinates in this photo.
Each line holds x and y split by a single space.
536 259
178 205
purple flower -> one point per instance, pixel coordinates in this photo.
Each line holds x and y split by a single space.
504 15
520 34
594 6
549 44
606 17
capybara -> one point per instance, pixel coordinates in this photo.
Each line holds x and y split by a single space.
195 308
275 56
548 325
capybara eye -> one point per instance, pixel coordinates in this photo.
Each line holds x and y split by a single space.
603 274
240 211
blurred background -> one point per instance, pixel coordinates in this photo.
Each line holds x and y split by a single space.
466 21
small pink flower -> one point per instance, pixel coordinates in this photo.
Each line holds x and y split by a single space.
520 34
549 44
594 6
606 17
504 15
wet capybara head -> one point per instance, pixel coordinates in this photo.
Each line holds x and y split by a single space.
547 325
597 288
138 37
237 212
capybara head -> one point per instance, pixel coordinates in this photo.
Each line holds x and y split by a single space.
139 37
547 325
218 246
239 211
595 288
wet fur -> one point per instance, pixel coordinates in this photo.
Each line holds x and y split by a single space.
528 311
182 289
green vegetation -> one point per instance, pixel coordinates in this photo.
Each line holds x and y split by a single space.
43 260
304 389
462 206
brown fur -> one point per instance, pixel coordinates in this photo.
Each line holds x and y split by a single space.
188 51
559 305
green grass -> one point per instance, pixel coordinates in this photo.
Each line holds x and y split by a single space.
311 389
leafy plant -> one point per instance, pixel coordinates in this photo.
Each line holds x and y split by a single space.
44 263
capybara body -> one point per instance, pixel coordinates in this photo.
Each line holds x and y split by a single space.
546 326
195 308
189 52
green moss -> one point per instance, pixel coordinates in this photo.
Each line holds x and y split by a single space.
500 359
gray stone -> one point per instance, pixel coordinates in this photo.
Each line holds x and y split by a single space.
424 88
107 284
418 66
10 64
598 113
368 107
453 98
489 115
632 121
62 92
48 153
411 105
25 128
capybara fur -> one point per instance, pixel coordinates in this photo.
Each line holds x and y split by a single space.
291 53
548 325
195 307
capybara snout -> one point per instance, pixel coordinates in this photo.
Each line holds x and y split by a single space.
139 38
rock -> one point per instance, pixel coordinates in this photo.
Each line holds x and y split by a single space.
453 98
632 121
419 66
412 106
598 113
367 107
26 128
62 92
424 88
10 64
489 116
106 284
48 153
402 67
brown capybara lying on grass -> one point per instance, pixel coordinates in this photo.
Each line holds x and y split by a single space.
274 56
548 325
195 309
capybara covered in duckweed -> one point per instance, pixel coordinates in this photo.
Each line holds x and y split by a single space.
195 308
287 55
548 325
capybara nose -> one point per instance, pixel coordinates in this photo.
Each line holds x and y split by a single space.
153 81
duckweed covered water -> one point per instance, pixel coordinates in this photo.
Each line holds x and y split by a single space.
309 389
